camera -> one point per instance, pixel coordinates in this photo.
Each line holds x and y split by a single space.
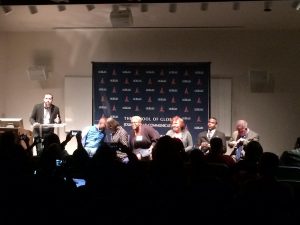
38 140
23 137
74 132
79 182
59 162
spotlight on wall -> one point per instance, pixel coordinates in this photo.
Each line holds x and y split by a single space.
90 7
33 9
204 6
61 8
172 7
120 17
236 6
296 5
144 7
6 9
268 6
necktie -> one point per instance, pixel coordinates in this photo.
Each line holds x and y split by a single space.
238 152
209 134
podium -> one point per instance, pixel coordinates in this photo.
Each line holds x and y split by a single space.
50 125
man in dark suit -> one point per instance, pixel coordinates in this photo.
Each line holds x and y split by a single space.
44 113
203 140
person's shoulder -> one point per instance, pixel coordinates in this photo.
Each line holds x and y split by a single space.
253 133
87 128
235 133
169 132
55 106
146 126
39 105
202 133
220 132
186 131
122 129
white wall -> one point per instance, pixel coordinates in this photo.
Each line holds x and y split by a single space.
232 53
3 70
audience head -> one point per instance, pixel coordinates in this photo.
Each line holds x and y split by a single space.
268 164
216 145
197 157
105 154
253 151
7 139
112 124
177 124
50 139
168 151
297 144
212 123
242 127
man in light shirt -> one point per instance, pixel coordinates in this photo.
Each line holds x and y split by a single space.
93 136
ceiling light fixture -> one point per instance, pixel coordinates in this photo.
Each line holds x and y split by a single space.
121 17
172 7
6 9
61 8
268 6
33 9
296 5
204 6
90 7
144 7
236 6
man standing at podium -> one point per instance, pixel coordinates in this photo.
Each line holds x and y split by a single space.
44 113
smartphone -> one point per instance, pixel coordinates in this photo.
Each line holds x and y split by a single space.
58 162
79 182
74 132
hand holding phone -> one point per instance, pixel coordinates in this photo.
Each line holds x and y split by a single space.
74 132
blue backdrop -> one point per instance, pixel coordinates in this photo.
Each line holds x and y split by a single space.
154 91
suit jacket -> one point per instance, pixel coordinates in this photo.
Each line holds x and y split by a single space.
202 137
250 136
37 116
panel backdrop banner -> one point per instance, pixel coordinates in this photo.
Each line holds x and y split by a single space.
154 91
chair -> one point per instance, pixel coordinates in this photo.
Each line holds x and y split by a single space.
288 173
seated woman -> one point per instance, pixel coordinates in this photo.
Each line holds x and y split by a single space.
179 131
142 138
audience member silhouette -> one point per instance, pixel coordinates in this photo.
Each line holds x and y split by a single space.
265 199
247 169
291 157
216 155
166 190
